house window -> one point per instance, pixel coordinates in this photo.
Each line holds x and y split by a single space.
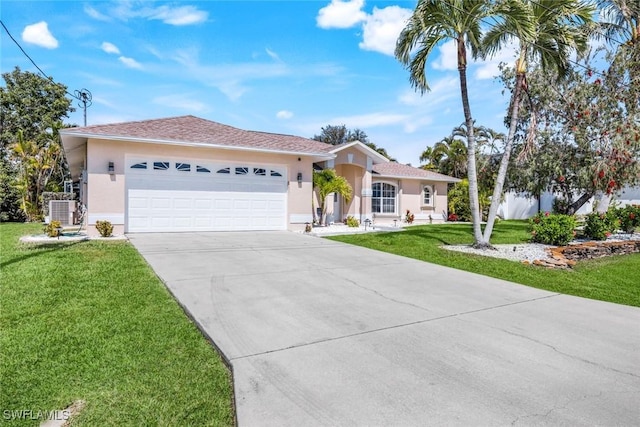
383 199
202 169
427 196
141 165
183 167
224 170
260 171
275 173
160 166
242 171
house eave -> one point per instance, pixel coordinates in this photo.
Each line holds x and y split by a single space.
86 136
417 178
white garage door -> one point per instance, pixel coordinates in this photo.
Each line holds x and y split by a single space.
168 195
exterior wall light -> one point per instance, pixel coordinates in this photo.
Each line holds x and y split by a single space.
299 177
111 169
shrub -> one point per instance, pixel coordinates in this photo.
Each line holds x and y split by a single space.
352 222
598 226
452 217
629 218
104 228
458 201
53 228
552 229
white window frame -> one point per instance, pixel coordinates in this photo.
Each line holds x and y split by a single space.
382 198
432 194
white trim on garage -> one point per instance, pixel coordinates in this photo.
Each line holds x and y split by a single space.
171 194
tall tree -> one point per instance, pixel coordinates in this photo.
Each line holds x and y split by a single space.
620 18
326 182
449 156
433 22
333 135
587 136
31 112
547 32
336 135
31 104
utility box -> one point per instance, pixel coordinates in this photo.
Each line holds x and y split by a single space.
63 211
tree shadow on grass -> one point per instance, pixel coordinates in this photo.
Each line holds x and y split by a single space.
38 249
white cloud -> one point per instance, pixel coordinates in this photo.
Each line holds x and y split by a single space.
182 102
272 54
284 114
489 69
95 14
441 90
110 48
341 14
39 35
382 28
448 59
178 16
130 62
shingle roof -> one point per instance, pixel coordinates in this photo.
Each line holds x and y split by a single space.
399 170
190 129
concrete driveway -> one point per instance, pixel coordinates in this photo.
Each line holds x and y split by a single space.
323 333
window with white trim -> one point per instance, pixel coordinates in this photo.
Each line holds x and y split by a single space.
427 195
160 166
141 165
242 170
383 198
183 167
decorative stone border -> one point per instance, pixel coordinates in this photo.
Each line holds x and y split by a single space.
566 256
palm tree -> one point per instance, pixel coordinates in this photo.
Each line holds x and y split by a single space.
433 22
547 31
448 155
326 182
620 18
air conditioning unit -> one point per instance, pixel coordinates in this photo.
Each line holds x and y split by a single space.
62 210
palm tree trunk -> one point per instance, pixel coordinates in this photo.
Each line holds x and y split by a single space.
504 163
471 147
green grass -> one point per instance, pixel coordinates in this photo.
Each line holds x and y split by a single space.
613 279
91 321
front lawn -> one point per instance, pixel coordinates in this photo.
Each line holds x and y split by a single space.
613 279
90 321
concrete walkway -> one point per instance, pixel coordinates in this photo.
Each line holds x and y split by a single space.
323 333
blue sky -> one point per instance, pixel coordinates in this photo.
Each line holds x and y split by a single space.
277 66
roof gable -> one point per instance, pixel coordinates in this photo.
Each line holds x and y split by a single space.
377 157
399 170
195 130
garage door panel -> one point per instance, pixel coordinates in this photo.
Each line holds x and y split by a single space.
188 203
138 202
202 222
202 204
183 203
223 204
160 203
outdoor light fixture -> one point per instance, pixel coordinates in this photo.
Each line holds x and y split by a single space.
299 177
112 169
